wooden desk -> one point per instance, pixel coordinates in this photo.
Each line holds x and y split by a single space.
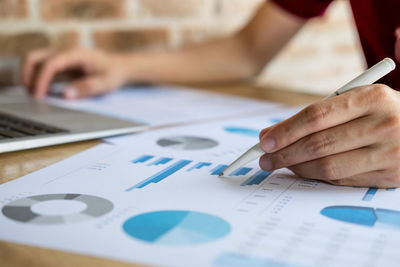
17 164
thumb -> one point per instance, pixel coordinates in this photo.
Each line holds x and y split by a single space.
86 87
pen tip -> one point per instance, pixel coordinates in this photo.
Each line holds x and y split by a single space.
221 174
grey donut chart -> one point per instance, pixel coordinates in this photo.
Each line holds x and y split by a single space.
187 142
21 210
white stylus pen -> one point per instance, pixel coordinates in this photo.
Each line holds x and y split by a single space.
370 76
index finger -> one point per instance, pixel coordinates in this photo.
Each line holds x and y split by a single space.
317 117
30 62
53 66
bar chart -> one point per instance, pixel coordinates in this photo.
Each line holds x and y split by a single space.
257 178
160 161
242 131
176 165
371 192
158 177
369 195
236 259
250 132
142 159
198 166
218 169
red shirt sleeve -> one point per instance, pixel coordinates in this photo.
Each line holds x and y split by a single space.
304 8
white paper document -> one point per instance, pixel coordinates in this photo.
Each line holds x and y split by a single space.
165 105
156 198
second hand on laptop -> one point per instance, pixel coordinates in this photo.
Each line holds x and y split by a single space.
370 76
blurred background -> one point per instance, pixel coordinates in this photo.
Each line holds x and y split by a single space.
323 56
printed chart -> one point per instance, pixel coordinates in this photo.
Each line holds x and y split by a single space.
250 132
371 192
187 142
28 210
177 165
176 227
157 199
242 131
365 216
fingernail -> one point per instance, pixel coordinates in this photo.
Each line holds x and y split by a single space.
263 132
266 164
71 93
268 144
397 32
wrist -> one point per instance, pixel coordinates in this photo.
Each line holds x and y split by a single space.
127 65
118 63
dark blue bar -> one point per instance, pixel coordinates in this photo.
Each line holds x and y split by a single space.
369 195
276 120
217 170
160 161
199 166
257 178
241 171
391 189
141 159
243 131
161 175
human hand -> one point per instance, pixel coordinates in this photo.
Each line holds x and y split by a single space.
101 72
352 139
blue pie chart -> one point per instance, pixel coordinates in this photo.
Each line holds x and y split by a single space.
176 227
365 216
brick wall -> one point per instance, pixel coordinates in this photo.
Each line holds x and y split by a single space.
326 47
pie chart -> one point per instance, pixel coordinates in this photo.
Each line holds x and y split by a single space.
56 208
176 227
187 142
365 216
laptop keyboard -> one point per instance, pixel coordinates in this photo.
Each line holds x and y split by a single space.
14 127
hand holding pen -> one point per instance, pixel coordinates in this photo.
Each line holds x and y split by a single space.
350 139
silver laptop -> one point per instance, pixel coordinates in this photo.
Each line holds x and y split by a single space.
26 123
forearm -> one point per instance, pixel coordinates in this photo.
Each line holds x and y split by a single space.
220 60
237 57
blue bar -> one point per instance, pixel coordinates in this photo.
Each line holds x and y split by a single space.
142 159
199 166
161 175
276 120
232 259
370 194
241 171
257 178
243 131
160 161
217 170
